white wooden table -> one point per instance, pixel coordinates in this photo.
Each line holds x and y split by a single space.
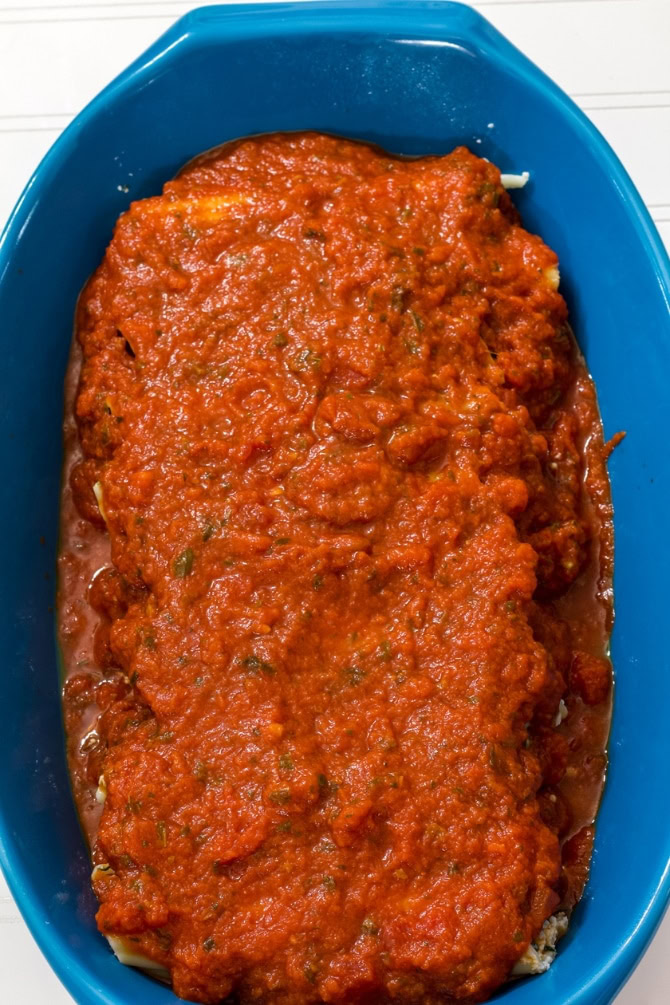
611 56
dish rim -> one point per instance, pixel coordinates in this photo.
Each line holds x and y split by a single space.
422 19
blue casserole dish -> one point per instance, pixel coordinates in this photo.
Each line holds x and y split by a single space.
415 77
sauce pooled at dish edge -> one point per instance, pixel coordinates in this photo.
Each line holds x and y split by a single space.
335 563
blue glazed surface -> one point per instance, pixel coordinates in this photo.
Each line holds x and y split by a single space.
417 78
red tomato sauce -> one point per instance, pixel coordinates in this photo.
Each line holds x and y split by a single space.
356 548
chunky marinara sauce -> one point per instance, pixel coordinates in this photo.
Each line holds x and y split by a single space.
336 544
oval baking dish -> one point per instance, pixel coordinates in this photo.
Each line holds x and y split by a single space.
415 78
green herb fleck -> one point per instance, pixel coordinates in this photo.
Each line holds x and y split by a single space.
310 973
418 321
354 674
280 797
494 760
398 294
307 358
164 939
488 189
183 564
254 663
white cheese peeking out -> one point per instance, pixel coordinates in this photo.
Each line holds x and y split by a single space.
101 791
97 489
127 955
514 180
541 954
552 277
561 713
101 871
